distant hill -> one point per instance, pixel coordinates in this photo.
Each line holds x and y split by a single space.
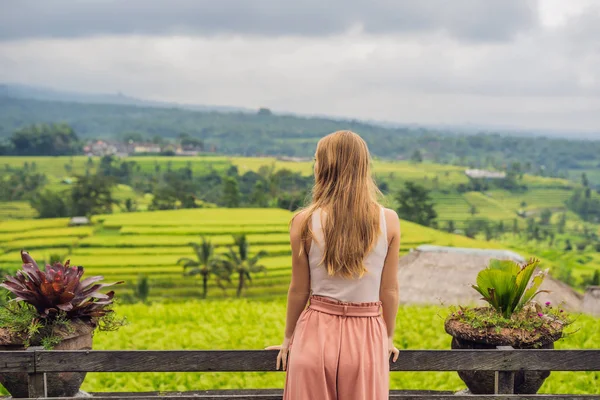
250 133
40 93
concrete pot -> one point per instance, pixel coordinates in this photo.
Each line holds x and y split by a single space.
482 382
62 384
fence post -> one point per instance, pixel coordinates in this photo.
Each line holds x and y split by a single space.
505 380
36 381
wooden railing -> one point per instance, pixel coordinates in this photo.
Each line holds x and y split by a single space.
505 361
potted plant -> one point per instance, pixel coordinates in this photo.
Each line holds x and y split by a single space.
55 309
512 318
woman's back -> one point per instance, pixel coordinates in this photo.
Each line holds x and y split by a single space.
356 290
344 265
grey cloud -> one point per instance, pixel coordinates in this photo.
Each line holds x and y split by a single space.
472 20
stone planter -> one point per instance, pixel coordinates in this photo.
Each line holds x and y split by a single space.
63 384
482 382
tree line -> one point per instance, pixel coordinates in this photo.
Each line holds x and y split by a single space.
265 133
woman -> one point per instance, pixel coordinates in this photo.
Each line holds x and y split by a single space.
344 259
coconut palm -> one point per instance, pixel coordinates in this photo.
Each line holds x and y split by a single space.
237 260
205 264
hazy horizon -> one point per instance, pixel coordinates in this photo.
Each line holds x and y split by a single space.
521 65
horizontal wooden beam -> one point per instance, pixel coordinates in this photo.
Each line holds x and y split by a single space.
394 396
263 360
16 361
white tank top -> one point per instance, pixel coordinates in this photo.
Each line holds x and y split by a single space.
357 290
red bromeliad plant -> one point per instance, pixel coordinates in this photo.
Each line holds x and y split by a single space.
59 290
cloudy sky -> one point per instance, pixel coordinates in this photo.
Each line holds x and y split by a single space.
516 63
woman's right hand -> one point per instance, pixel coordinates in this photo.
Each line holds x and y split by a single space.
282 356
392 349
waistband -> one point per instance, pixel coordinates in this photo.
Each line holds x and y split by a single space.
332 307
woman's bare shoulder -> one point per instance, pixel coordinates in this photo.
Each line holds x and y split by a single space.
392 221
298 220
390 214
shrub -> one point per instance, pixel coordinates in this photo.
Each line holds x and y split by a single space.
503 284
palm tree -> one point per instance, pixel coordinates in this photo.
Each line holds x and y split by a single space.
237 260
205 265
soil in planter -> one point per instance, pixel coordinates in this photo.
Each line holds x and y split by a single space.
63 384
482 382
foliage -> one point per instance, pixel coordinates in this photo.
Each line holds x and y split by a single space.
205 264
238 260
44 139
545 217
231 193
21 183
592 279
503 284
58 292
92 194
50 204
585 204
142 289
537 319
415 204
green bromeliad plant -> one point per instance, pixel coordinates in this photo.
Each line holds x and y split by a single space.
503 284
510 288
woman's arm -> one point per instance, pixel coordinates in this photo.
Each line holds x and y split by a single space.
388 290
299 290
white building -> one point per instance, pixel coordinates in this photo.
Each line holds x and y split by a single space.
484 174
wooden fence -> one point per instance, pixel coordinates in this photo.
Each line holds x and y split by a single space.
505 361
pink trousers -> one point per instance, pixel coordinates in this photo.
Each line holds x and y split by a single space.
338 352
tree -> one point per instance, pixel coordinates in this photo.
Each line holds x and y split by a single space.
568 245
584 180
450 228
416 156
92 195
50 204
515 227
545 217
130 205
562 223
265 112
258 197
238 260
415 204
475 226
500 227
45 140
204 265
231 192
142 289
165 198
473 210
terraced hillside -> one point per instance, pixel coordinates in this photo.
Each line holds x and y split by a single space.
124 246
442 180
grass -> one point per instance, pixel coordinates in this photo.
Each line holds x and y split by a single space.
255 324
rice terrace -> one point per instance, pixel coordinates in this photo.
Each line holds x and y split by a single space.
145 246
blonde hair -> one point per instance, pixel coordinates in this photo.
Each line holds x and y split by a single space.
345 189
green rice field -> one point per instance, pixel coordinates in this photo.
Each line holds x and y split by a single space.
255 324
127 245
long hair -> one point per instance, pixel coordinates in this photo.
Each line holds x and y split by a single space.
345 190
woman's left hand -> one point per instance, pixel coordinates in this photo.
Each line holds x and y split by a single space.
284 350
